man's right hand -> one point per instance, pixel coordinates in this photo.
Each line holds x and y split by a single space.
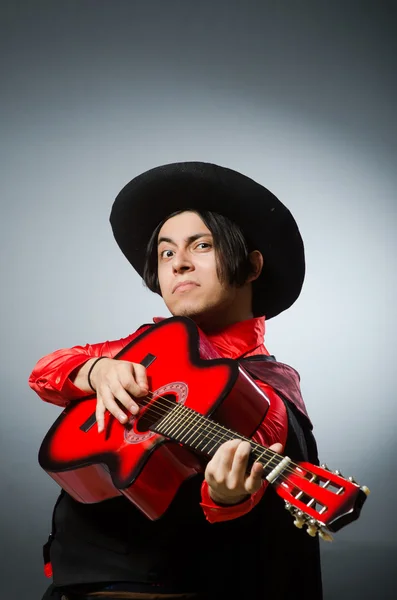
115 379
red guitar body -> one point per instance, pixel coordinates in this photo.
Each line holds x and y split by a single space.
133 460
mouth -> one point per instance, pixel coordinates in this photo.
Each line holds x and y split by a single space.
184 285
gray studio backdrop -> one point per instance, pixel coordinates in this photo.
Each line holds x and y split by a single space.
298 95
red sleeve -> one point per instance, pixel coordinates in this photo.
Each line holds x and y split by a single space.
50 376
274 428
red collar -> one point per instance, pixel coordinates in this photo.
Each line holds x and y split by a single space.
244 337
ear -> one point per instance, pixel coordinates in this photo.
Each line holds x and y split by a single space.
256 260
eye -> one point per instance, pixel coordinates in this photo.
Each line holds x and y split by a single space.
203 245
166 253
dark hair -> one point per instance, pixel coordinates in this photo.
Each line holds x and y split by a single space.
232 249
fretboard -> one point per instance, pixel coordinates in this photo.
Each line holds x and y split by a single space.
188 427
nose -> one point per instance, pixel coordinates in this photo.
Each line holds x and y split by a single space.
182 262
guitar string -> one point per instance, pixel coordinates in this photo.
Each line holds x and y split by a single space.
214 428
218 435
175 424
220 430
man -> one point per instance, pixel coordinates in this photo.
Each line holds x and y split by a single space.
224 251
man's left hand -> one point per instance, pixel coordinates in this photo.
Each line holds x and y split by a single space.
227 476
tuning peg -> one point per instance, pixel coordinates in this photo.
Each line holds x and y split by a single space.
312 527
324 466
337 472
352 480
325 535
365 490
288 506
299 521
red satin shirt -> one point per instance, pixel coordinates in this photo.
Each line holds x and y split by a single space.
50 378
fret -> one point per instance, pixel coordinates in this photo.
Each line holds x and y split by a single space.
213 436
259 458
167 421
205 439
176 422
225 436
194 430
198 428
179 423
209 431
211 449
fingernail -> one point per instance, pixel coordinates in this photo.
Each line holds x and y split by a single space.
122 417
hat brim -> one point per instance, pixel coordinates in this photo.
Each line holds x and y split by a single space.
268 225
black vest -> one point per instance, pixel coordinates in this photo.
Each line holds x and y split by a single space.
259 555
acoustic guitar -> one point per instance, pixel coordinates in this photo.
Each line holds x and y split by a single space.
197 401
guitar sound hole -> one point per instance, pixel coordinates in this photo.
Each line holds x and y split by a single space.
155 411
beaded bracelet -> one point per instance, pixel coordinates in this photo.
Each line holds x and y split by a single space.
89 372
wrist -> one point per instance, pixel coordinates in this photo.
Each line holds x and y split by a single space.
227 500
90 374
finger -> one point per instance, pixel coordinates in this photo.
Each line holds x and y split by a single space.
140 376
100 414
120 393
224 450
131 386
277 447
226 453
254 480
111 405
239 467
219 466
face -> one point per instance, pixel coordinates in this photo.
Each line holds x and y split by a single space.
187 272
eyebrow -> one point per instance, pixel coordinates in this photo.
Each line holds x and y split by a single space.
189 240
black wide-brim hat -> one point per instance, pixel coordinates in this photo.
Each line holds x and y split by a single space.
266 223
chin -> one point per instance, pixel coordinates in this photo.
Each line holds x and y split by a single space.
188 310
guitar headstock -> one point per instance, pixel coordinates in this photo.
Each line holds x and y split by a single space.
323 500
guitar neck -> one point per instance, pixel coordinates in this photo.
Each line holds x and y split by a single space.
197 432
